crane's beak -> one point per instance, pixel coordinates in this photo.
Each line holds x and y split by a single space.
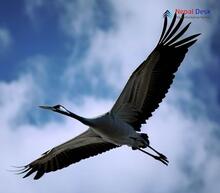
48 108
56 108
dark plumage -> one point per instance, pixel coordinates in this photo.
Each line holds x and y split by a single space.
152 79
85 145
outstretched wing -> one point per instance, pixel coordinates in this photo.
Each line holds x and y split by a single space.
81 147
150 82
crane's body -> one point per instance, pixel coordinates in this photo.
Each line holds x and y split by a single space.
114 130
108 127
141 96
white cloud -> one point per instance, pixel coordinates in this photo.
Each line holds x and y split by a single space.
5 38
14 95
77 18
31 7
135 34
180 138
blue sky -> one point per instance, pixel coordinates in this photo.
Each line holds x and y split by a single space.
80 54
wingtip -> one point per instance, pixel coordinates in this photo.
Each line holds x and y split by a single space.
182 16
197 35
18 169
188 44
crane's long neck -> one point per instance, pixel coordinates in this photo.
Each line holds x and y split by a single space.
77 117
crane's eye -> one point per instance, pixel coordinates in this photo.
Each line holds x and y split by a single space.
59 108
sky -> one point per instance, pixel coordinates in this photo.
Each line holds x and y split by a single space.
80 54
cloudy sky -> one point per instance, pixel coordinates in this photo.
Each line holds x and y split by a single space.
80 54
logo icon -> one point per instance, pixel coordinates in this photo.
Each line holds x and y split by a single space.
167 14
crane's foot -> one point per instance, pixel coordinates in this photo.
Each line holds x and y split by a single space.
162 158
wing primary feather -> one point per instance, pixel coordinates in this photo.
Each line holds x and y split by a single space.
187 45
178 35
39 174
185 40
164 29
170 28
175 29
31 171
23 170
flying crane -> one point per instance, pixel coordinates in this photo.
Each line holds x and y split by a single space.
143 92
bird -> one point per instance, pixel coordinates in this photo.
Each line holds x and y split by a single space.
121 125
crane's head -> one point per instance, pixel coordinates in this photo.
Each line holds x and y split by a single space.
57 108
61 109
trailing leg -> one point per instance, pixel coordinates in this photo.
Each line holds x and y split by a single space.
159 158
